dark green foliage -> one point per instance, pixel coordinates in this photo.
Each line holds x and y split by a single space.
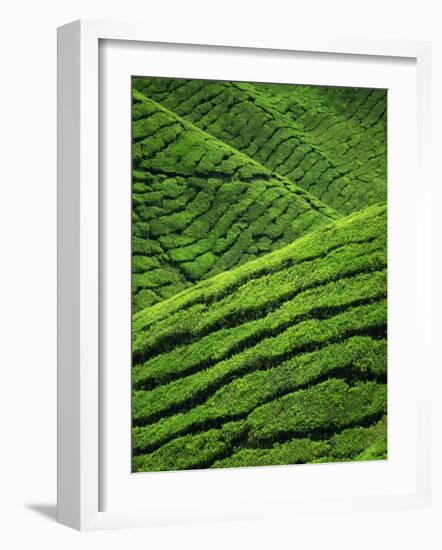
259 274
331 141
204 205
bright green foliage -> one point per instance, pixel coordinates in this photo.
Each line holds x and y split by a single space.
259 274
358 356
192 451
330 141
329 406
289 349
361 228
248 389
201 450
344 446
321 302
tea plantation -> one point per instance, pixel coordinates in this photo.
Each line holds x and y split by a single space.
201 207
259 274
330 141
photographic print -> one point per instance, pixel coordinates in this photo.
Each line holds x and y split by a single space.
259 274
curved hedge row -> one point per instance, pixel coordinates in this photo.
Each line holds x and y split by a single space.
350 444
201 450
271 360
355 356
315 414
322 302
314 251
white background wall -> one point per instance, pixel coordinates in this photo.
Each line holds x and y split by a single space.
28 265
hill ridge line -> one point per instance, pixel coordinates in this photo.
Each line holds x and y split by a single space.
272 255
329 212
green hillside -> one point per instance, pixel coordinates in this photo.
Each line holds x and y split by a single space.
201 207
330 141
281 360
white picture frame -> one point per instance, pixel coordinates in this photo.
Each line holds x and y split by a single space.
81 441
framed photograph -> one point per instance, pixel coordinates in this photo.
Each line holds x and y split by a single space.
243 276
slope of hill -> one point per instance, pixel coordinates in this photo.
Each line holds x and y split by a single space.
330 141
279 361
201 207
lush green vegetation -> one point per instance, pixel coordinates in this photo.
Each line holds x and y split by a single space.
259 274
201 207
331 141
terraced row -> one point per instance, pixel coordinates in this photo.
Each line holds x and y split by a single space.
288 347
189 397
319 303
308 417
331 141
343 121
202 450
359 443
200 207
319 256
